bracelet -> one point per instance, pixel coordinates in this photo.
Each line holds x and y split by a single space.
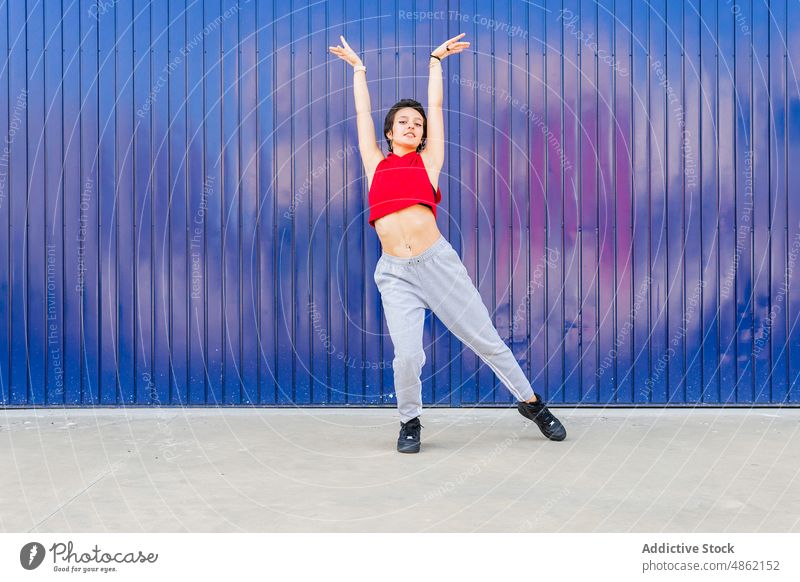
358 68
435 57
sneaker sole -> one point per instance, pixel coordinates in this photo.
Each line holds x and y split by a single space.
408 449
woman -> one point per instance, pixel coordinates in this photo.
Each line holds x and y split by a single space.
418 268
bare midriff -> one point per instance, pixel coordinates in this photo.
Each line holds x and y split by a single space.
407 232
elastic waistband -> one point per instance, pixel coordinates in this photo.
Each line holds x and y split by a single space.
440 244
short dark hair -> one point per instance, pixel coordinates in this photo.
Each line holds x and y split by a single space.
389 121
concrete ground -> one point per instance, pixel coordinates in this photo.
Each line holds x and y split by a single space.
487 470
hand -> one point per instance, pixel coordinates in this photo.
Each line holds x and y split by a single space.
346 53
454 47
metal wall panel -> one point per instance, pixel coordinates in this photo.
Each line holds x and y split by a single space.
183 208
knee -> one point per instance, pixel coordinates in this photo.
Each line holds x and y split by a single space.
497 349
414 360
489 345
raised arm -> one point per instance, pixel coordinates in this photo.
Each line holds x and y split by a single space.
371 154
433 154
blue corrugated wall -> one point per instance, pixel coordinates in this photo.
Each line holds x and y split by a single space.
183 208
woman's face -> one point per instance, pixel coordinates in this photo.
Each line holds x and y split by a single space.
407 128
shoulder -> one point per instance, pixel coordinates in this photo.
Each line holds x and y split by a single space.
372 164
373 160
432 164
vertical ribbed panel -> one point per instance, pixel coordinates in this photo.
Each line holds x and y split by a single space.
183 206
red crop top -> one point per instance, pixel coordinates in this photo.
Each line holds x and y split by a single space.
400 182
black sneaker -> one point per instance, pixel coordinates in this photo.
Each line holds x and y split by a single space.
408 441
550 426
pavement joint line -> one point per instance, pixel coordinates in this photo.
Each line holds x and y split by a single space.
73 498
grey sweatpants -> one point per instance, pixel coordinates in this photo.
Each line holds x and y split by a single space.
436 279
